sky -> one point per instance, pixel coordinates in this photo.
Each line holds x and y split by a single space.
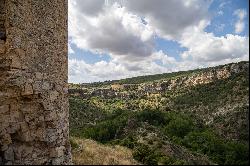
115 39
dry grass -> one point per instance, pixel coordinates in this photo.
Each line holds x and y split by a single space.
90 152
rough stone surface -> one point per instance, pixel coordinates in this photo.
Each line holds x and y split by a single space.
33 78
2 21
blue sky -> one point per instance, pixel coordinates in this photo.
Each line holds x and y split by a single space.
227 18
107 41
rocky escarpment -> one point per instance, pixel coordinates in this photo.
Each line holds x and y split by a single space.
161 86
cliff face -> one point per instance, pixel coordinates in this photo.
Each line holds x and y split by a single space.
33 82
163 85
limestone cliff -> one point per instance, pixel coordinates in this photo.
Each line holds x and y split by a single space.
200 77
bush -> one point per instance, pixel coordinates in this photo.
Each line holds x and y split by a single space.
148 156
129 142
236 154
73 143
109 129
179 127
217 149
153 117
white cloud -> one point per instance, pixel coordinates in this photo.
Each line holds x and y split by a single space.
80 71
127 34
220 13
240 25
115 31
205 47
88 7
70 50
170 17
224 3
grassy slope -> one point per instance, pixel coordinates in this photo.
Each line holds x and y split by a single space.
89 152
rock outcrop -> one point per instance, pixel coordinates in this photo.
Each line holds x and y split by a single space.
124 91
33 82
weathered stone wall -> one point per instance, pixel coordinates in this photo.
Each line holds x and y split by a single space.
2 19
33 82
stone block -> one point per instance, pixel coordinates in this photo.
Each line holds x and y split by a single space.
39 76
4 109
20 52
37 86
28 89
24 127
51 135
2 48
57 152
50 116
16 62
5 118
46 85
58 161
26 136
6 139
16 116
13 127
40 134
54 95
9 154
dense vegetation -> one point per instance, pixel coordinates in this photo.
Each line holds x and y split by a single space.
204 124
230 96
177 127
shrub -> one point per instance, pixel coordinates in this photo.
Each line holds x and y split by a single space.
144 154
153 117
217 149
73 143
178 127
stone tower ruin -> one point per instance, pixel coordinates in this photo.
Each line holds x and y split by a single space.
34 125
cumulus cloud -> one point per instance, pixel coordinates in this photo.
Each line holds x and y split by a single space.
127 34
240 25
205 47
80 71
170 17
88 7
115 31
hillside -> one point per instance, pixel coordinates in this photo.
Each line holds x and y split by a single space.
192 117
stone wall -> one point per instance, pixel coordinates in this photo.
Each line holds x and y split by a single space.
33 82
2 19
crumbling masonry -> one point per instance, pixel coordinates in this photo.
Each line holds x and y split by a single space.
33 82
